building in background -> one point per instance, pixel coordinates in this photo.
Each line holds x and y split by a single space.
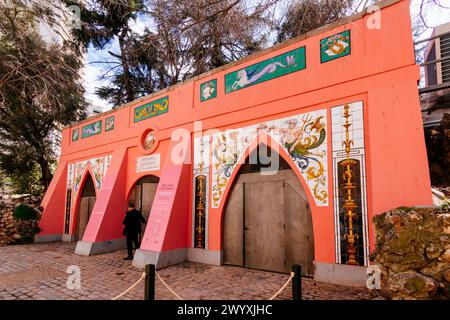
438 49
92 109
435 96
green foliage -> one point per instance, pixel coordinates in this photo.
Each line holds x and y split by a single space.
307 15
445 207
187 38
405 209
24 212
26 240
23 173
40 90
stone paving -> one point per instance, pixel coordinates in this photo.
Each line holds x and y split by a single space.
39 272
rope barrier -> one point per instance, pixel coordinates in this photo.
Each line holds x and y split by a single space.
283 287
180 298
167 286
130 288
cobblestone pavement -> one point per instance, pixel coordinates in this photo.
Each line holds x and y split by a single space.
38 271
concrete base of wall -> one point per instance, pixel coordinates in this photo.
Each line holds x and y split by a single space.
214 257
68 238
159 259
86 248
47 238
343 274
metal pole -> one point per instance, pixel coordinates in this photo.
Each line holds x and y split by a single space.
297 283
149 293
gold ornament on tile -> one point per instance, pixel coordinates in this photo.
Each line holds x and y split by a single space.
349 187
200 206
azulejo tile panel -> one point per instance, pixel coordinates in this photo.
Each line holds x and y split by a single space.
303 137
357 153
266 70
91 129
109 123
75 134
208 90
200 195
75 171
336 46
151 109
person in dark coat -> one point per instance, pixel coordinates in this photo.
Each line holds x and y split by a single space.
132 222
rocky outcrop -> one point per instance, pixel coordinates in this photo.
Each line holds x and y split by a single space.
413 253
18 231
438 149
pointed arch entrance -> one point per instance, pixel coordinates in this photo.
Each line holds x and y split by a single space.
86 204
142 195
267 221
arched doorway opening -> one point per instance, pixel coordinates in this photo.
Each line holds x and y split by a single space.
87 201
267 222
142 195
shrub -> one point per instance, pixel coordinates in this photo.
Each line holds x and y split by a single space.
26 240
24 212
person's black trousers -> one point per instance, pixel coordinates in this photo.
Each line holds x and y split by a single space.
132 239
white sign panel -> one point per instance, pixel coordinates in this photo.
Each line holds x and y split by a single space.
148 163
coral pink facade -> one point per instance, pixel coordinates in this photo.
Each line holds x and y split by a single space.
377 77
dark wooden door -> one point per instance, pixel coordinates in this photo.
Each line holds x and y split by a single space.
84 214
264 226
267 223
233 241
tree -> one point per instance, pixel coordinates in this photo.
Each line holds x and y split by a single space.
182 38
202 35
40 90
105 23
306 15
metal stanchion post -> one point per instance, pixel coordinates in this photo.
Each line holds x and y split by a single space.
297 282
149 293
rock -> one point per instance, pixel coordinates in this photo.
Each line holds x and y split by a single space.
435 270
11 230
446 275
433 250
445 257
413 251
411 285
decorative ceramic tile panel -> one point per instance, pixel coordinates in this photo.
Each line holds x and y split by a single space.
67 211
99 167
303 137
357 156
208 90
109 123
70 176
151 109
91 129
336 46
200 196
266 70
75 134
75 172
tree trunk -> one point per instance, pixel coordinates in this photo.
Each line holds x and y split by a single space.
46 177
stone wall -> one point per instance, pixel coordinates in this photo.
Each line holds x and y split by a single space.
14 231
413 253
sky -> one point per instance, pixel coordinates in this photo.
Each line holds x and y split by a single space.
434 16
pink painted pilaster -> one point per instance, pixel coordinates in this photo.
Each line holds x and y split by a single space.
110 206
52 220
167 228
